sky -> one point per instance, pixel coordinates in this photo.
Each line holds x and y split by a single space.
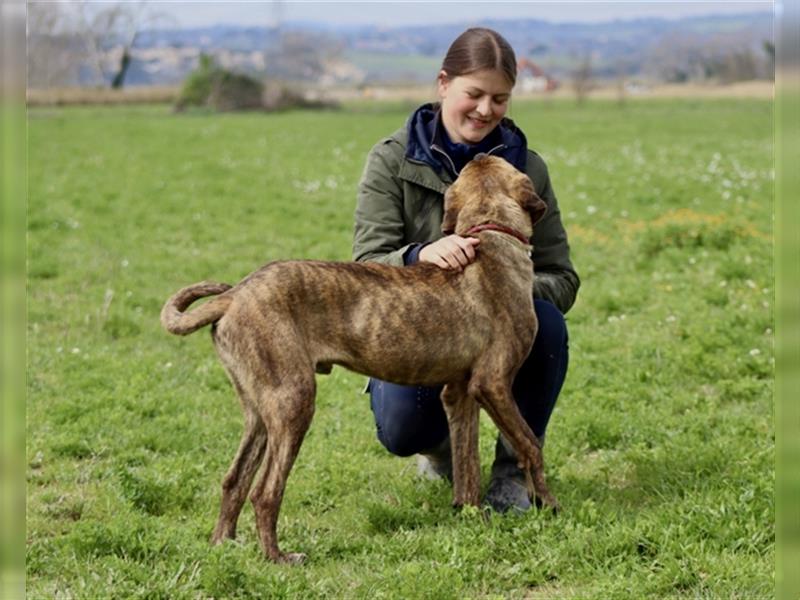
416 12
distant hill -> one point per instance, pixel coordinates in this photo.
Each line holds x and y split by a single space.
672 50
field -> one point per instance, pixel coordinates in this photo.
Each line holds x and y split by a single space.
661 449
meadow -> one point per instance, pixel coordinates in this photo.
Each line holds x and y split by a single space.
661 449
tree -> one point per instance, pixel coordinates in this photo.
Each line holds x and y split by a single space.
66 37
109 32
54 50
769 50
582 78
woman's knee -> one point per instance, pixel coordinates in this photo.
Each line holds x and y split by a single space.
409 419
552 331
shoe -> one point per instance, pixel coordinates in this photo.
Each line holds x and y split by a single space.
507 490
436 463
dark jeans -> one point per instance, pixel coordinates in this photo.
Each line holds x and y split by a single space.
411 419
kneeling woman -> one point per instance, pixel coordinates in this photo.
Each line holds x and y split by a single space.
398 221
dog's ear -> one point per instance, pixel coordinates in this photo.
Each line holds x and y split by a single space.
451 209
537 208
530 200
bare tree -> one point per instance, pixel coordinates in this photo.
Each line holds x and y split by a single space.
724 58
300 55
64 37
109 32
582 78
621 83
769 50
54 50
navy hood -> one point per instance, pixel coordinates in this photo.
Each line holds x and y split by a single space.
428 142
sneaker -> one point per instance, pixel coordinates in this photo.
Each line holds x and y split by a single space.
436 463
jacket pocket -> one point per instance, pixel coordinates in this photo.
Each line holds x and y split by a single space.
424 218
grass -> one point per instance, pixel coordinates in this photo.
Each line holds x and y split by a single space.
661 449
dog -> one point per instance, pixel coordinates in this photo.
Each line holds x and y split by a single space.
468 330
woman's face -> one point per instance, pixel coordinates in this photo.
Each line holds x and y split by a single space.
473 105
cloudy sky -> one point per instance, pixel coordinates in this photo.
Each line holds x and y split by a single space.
413 12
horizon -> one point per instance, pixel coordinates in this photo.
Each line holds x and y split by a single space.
392 14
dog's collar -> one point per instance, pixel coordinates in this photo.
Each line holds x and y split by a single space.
501 228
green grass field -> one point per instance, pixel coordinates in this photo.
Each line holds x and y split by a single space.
661 450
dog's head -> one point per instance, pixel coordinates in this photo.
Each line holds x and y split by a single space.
490 190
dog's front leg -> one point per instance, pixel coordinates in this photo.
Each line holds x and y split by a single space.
496 398
462 418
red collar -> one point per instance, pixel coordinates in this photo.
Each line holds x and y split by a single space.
501 228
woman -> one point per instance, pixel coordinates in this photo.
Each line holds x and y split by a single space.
398 221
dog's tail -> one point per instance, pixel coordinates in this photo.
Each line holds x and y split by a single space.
174 320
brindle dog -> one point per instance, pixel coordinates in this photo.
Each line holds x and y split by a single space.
420 325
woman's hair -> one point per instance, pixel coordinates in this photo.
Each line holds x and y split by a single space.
480 48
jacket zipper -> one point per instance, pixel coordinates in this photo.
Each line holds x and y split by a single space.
447 156
498 147
450 160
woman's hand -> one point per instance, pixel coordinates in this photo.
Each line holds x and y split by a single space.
451 252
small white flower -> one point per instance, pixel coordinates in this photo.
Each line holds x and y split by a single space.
76 350
751 284
624 214
591 209
748 260
723 283
311 186
755 352
124 262
768 331
692 260
168 365
613 319
59 350
671 319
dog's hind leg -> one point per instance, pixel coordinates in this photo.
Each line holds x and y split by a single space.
496 398
462 418
237 481
287 412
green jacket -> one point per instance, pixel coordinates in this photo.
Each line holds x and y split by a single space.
400 203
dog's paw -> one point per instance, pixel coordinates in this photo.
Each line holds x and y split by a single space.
291 558
547 502
221 536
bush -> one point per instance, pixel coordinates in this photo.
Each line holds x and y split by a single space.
214 87
220 89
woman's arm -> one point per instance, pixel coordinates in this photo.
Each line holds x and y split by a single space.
556 280
379 233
